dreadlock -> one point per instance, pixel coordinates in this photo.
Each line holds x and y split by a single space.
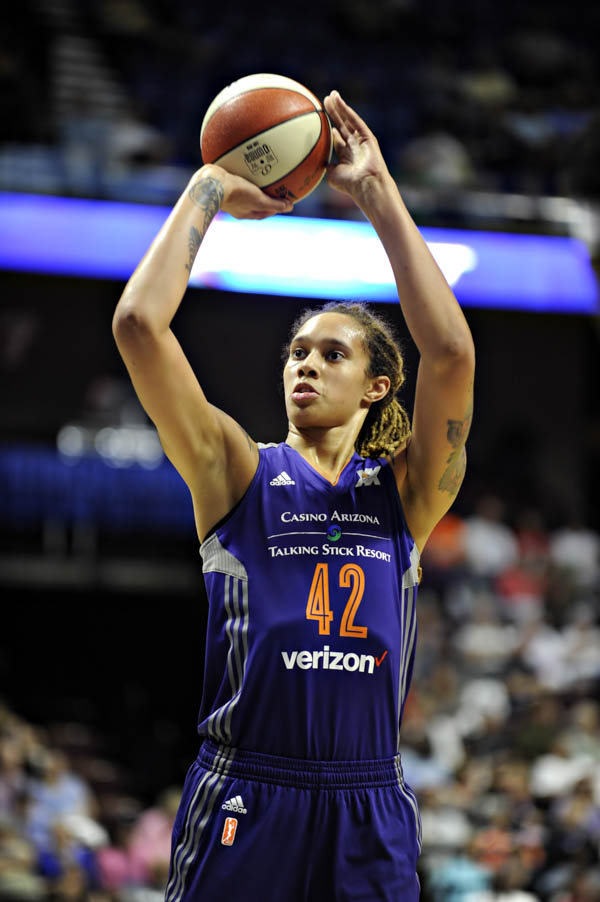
386 425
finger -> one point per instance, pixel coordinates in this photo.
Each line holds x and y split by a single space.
338 142
335 111
352 121
273 205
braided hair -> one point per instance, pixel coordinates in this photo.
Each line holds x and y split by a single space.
386 425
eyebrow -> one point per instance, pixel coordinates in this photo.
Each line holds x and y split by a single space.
302 339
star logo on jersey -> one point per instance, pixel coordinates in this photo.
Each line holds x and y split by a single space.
368 476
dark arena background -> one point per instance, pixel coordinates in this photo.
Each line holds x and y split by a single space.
488 115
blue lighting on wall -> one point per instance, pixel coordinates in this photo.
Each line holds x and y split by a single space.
295 256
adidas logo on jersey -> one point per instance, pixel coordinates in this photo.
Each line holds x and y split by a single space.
282 479
236 805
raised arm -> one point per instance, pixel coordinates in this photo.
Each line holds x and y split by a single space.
430 470
210 450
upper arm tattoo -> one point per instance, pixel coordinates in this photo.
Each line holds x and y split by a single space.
457 433
206 193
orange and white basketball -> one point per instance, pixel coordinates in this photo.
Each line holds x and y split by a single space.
271 130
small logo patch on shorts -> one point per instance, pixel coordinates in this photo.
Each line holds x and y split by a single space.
229 831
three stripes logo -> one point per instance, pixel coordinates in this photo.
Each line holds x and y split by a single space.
236 804
282 479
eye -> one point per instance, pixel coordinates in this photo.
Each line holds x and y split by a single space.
297 353
334 355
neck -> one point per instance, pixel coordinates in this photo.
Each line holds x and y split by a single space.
328 449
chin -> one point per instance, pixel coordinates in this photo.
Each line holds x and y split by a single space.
303 415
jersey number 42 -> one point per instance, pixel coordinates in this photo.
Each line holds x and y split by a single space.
351 577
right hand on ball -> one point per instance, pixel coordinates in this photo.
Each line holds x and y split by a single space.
242 199
360 163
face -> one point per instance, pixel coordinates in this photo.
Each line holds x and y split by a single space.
325 377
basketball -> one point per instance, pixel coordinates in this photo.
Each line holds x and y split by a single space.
272 131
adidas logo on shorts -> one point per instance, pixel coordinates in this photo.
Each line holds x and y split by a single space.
235 804
282 479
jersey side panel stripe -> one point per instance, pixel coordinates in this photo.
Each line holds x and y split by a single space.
410 581
412 631
187 847
237 623
236 632
241 626
410 798
217 717
217 559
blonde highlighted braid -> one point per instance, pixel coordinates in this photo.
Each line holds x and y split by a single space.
386 425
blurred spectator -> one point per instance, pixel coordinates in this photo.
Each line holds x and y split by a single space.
18 864
63 855
54 793
83 133
485 643
533 539
436 159
493 844
576 549
12 775
483 704
536 732
577 815
581 645
556 773
444 555
584 887
150 840
445 549
458 877
523 586
118 865
581 735
542 650
490 545
446 829
130 140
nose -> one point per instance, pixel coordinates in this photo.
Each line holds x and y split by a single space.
308 366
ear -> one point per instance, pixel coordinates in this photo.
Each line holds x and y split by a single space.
378 389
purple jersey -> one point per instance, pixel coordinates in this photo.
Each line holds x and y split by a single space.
312 624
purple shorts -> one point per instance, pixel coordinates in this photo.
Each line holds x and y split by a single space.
261 828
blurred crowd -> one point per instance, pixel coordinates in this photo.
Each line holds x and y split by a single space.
462 94
501 740
66 832
501 737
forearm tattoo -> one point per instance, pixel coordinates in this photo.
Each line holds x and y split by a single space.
194 242
207 194
457 433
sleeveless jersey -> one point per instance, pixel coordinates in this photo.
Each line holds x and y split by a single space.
312 624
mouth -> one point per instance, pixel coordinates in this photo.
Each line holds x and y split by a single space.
303 391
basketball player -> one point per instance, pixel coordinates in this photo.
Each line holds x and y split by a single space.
310 553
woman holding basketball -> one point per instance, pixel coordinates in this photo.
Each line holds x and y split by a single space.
310 553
